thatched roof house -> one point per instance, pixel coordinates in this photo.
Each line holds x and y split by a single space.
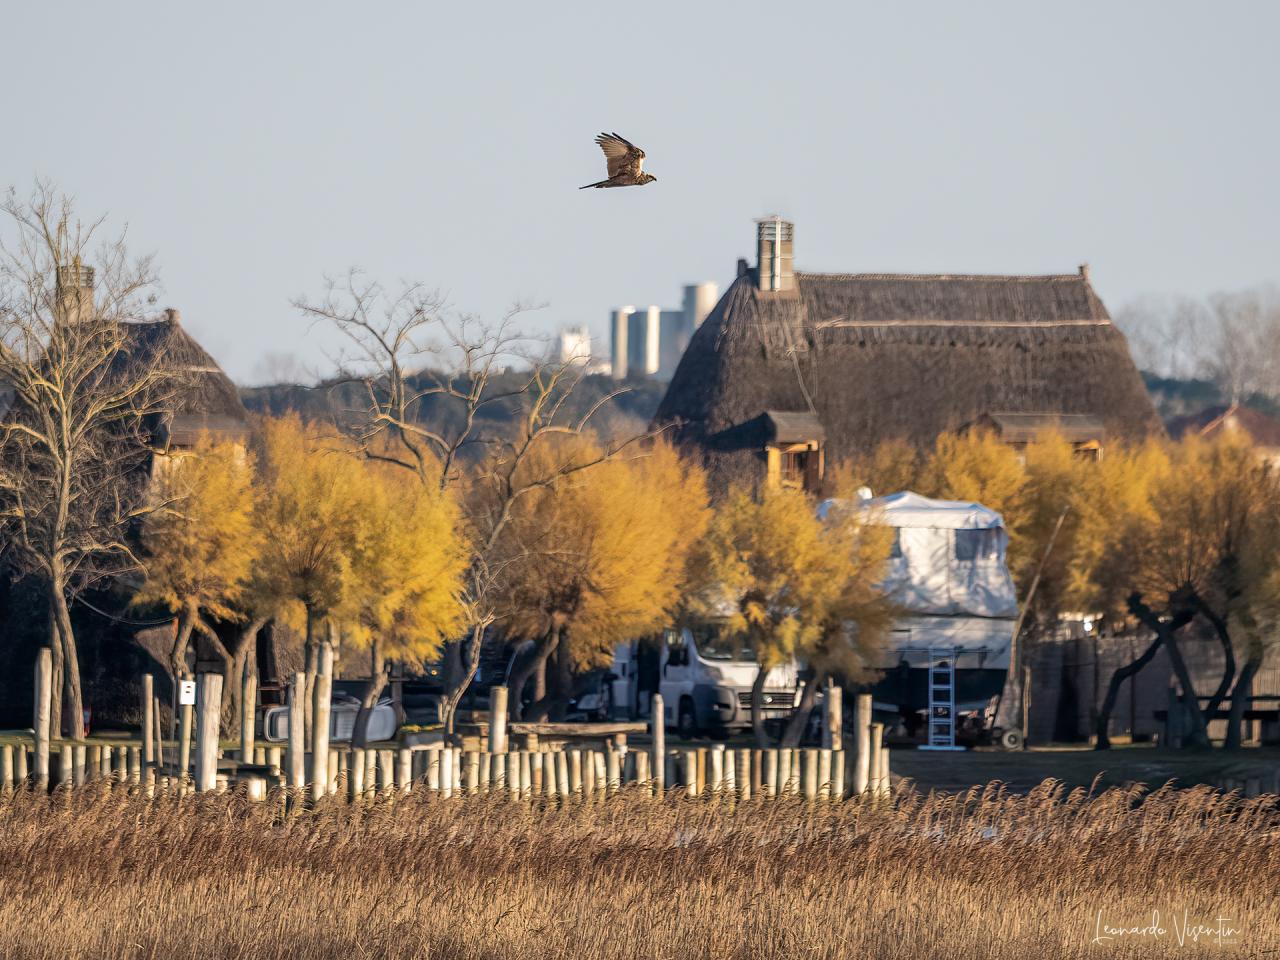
206 400
863 358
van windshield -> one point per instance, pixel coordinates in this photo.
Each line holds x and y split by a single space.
719 643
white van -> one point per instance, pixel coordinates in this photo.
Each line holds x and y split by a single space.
705 674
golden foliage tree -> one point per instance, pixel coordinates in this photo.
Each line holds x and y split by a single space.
201 543
799 588
307 517
405 564
601 559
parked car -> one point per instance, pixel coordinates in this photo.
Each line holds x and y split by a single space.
342 720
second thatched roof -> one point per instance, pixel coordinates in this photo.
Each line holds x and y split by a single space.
877 356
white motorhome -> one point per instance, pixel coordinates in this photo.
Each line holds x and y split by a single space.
705 673
949 573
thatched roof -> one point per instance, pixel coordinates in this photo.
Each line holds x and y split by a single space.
207 399
880 356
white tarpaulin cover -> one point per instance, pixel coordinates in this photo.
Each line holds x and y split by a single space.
948 558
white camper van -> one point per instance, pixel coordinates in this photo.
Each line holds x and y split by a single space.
949 573
705 673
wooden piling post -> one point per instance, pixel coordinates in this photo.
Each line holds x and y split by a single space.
513 774
809 771
498 719
690 773
730 772
833 716
158 731
771 772
562 775
248 709
658 731
536 774
644 775
785 780
886 787
6 768
824 773
862 740
78 761
404 770
321 697
575 773
837 774
20 770
184 741
876 736
208 705
296 752
94 761
715 773
612 772
357 767
148 719
43 706
64 766
746 775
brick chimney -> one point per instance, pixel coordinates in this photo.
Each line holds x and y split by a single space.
774 269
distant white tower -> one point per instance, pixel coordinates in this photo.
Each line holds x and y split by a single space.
644 339
619 324
574 345
699 300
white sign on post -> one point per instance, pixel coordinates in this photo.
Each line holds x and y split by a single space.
186 693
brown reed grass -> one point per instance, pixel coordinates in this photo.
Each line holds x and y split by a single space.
96 873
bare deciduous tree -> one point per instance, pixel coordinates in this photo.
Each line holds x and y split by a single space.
408 354
74 431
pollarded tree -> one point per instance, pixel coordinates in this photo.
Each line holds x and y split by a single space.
406 564
601 559
787 576
74 421
201 544
307 516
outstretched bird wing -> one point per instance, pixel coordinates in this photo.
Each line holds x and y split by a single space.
624 158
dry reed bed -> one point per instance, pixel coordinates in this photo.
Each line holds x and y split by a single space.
96 873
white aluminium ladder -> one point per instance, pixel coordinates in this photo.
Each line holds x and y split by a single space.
942 699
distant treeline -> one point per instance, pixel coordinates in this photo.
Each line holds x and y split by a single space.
629 412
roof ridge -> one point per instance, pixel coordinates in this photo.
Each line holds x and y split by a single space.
1023 277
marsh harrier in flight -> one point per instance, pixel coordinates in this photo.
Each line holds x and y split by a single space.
625 160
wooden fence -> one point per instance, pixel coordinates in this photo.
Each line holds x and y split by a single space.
156 766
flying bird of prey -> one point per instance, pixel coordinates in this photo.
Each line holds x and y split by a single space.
625 160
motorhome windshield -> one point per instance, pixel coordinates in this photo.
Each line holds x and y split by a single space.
719 643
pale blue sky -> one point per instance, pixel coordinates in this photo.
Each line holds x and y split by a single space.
253 147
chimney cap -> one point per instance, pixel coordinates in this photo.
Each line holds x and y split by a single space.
742 266
173 315
1084 271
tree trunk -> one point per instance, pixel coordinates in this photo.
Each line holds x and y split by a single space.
73 700
182 640
1228 654
540 681
1240 694
1199 729
245 647
543 648
558 671
311 666
58 677
449 708
757 708
372 691
1113 691
800 716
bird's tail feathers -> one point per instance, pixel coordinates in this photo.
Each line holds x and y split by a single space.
598 183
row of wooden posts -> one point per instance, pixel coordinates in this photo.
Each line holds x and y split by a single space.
318 769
